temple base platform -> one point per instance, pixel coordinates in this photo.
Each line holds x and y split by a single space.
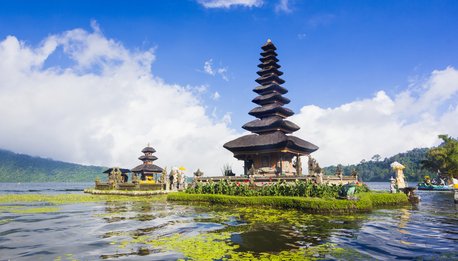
260 179
125 192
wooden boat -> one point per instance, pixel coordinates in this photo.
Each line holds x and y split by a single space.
424 186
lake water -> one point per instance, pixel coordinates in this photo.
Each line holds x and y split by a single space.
160 230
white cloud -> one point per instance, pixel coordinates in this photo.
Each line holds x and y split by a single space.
301 36
383 125
209 69
283 6
216 96
104 107
230 3
223 73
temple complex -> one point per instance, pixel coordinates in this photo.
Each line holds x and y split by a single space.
148 171
146 179
270 149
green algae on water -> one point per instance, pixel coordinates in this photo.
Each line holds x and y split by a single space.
34 210
28 209
66 257
218 246
60 199
50 203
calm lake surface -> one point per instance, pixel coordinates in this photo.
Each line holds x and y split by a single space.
160 230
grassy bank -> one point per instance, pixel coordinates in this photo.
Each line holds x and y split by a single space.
367 201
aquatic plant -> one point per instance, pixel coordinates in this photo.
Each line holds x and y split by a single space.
380 199
5 221
366 201
59 199
34 210
66 257
50 203
218 246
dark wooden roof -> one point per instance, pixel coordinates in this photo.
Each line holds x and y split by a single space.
263 89
268 46
271 110
148 149
269 53
269 70
268 142
147 168
270 98
269 63
144 157
269 58
271 124
270 78
122 170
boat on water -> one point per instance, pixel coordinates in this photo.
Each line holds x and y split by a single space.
424 186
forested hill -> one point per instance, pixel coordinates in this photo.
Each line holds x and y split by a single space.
23 168
380 170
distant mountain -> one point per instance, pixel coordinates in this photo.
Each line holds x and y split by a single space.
24 168
380 170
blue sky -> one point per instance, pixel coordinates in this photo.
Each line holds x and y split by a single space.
332 52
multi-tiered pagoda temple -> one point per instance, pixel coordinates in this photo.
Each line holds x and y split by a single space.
147 170
270 150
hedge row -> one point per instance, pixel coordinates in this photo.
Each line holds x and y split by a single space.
366 202
298 188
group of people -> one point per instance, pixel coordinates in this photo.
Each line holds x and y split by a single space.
436 181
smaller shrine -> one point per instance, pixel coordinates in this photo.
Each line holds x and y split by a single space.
146 178
149 173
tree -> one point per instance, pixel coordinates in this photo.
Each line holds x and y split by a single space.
443 159
376 157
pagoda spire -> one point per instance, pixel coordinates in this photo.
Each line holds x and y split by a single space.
271 114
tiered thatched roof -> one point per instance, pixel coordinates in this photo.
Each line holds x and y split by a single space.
271 128
148 158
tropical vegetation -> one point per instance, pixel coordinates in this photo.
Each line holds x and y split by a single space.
443 159
378 169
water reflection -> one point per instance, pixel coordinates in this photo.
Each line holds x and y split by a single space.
253 230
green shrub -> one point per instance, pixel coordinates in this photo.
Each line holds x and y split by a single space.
280 188
361 187
385 199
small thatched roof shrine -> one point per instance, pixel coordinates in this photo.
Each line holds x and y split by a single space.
147 168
